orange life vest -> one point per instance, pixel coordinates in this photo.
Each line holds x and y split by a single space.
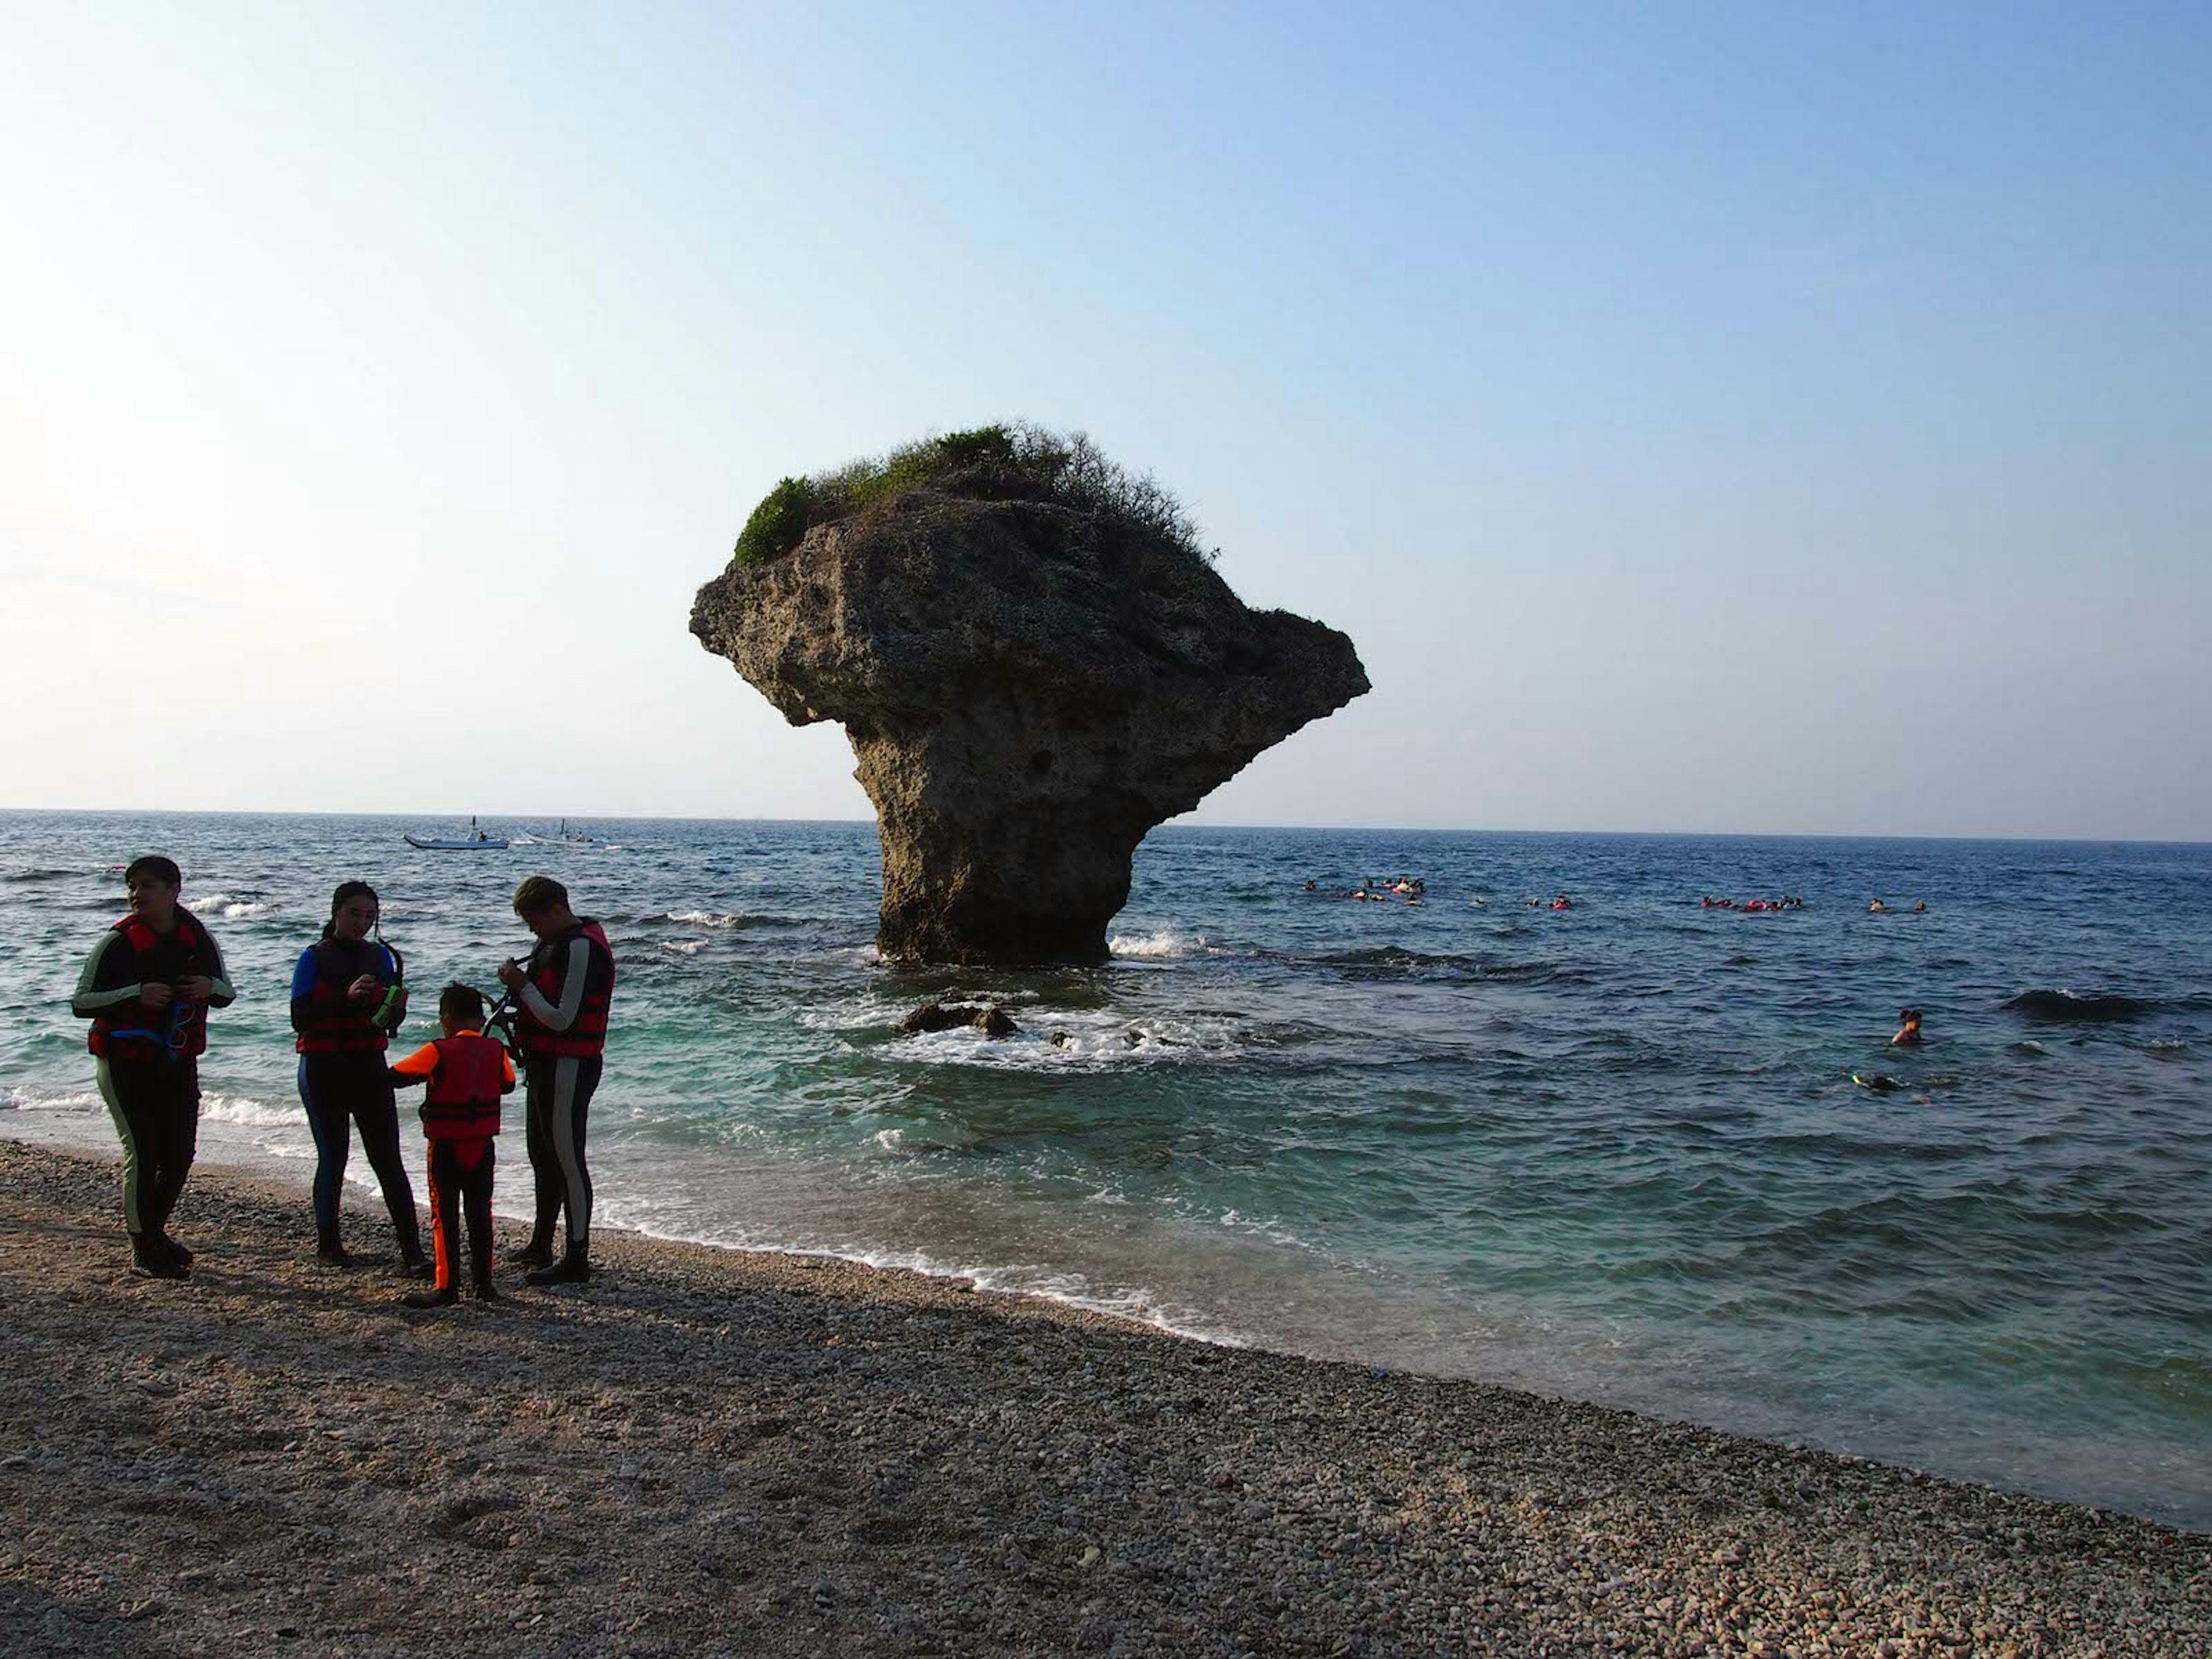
179 1031
462 1102
588 1034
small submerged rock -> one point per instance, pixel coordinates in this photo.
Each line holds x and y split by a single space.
946 1016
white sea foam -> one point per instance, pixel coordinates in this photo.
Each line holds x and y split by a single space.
724 919
15 1099
236 909
684 947
1089 1040
1164 944
250 1113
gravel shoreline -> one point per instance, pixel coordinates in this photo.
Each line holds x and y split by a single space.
710 1452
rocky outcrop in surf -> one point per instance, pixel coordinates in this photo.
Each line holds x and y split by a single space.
1034 665
946 1015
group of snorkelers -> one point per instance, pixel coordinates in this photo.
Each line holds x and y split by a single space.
155 974
1378 892
1785 903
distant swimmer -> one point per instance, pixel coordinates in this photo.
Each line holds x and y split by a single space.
1562 903
1908 1032
1921 909
1879 1084
1876 906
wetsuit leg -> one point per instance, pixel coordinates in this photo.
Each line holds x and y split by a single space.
377 1114
324 1096
544 1162
129 1090
177 1135
476 1196
574 1077
445 1185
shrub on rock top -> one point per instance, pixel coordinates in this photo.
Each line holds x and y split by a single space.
1005 461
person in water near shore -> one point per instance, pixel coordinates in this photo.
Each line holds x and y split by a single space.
467 1072
562 998
348 995
146 988
1908 1029
1877 905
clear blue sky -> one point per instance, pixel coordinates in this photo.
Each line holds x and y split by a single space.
1701 418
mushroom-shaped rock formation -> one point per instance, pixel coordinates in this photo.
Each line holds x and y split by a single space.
1030 685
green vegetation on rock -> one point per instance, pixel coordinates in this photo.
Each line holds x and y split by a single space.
1011 461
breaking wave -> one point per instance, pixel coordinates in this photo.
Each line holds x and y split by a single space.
2065 1007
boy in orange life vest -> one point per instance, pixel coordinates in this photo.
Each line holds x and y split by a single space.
467 1073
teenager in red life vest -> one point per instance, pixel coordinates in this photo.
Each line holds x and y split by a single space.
146 988
560 1001
467 1073
348 995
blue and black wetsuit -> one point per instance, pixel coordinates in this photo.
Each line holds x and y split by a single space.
343 1081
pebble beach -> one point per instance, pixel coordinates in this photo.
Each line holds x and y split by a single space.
708 1451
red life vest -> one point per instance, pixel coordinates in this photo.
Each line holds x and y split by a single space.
462 1102
134 1031
588 1035
336 1024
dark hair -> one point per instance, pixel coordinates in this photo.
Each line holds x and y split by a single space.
538 893
156 865
1908 1015
348 891
463 1003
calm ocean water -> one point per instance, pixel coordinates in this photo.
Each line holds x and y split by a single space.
1614 1153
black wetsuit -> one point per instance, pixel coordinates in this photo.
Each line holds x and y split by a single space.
343 1083
560 1017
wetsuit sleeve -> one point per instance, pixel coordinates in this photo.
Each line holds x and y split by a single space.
417 1066
560 1016
220 995
306 982
101 986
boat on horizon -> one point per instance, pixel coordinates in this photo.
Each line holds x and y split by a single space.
476 842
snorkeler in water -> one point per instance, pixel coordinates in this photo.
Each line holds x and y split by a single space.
1908 1030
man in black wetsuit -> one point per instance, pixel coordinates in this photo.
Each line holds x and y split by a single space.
560 1000
146 988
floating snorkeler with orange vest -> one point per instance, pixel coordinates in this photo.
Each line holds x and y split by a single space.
467 1073
146 988
560 1001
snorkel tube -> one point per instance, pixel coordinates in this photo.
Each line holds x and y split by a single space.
500 1022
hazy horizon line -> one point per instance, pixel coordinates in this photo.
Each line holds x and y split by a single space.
584 819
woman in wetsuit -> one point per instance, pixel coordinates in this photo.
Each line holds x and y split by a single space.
347 997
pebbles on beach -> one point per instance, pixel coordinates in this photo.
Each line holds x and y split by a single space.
705 1452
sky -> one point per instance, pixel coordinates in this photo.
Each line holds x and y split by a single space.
1723 419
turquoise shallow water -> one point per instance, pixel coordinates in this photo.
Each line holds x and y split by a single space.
1613 1152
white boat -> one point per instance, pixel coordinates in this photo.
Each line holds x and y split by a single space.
478 842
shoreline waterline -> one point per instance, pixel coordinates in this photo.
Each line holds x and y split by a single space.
786 1456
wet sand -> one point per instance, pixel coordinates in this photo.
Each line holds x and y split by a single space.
708 1452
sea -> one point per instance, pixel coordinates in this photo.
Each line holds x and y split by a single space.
1634 1150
